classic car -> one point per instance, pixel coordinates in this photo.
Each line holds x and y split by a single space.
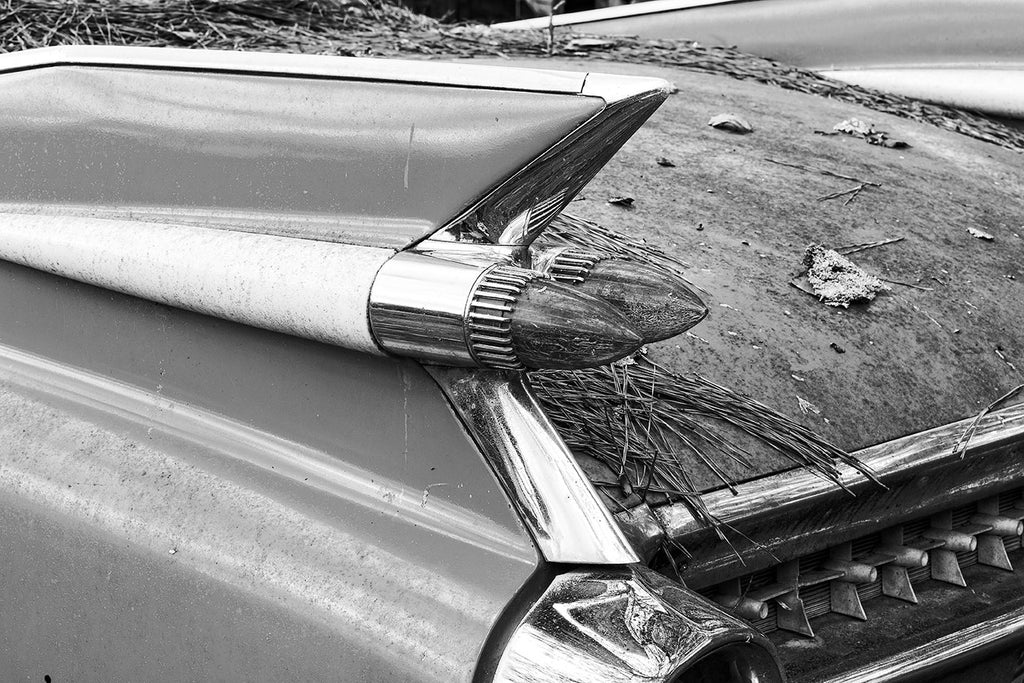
267 331
963 53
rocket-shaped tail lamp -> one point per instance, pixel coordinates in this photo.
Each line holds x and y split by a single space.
656 303
497 316
368 299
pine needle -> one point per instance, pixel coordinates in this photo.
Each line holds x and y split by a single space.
639 419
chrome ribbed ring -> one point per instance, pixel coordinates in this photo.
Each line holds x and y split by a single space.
489 316
572 266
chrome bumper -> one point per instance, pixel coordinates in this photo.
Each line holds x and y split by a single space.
944 654
630 624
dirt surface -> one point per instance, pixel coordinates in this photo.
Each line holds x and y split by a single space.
913 358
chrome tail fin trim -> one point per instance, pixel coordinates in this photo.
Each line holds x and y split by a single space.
516 211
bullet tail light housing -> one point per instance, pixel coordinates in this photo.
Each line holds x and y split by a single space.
657 304
498 316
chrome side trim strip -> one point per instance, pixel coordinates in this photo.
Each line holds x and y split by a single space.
556 502
606 13
315 66
610 87
515 212
628 624
945 653
794 512
922 450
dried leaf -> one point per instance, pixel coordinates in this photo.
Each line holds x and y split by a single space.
854 127
806 406
625 202
866 132
895 144
589 44
838 281
731 123
662 161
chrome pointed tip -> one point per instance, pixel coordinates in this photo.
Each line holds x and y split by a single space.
657 304
557 326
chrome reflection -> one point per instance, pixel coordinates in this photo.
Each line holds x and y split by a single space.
631 624
554 499
418 307
795 513
516 211
926 451
943 654
322 66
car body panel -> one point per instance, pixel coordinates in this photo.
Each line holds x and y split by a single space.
371 163
996 89
218 469
910 42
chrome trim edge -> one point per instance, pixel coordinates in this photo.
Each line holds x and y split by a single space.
943 653
922 450
317 66
417 307
615 89
919 467
625 624
606 13
474 253
517 210
551 493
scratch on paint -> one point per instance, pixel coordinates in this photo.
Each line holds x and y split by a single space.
408 155
406 386
426 492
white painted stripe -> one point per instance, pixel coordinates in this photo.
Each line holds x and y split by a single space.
317 290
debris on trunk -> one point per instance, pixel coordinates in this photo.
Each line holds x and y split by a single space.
662 161
854 248
960 447
639 419
838 281
806 406
731 123
866 132
589 44
981 234
624 202
566 230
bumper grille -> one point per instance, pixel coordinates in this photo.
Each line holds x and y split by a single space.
891 563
